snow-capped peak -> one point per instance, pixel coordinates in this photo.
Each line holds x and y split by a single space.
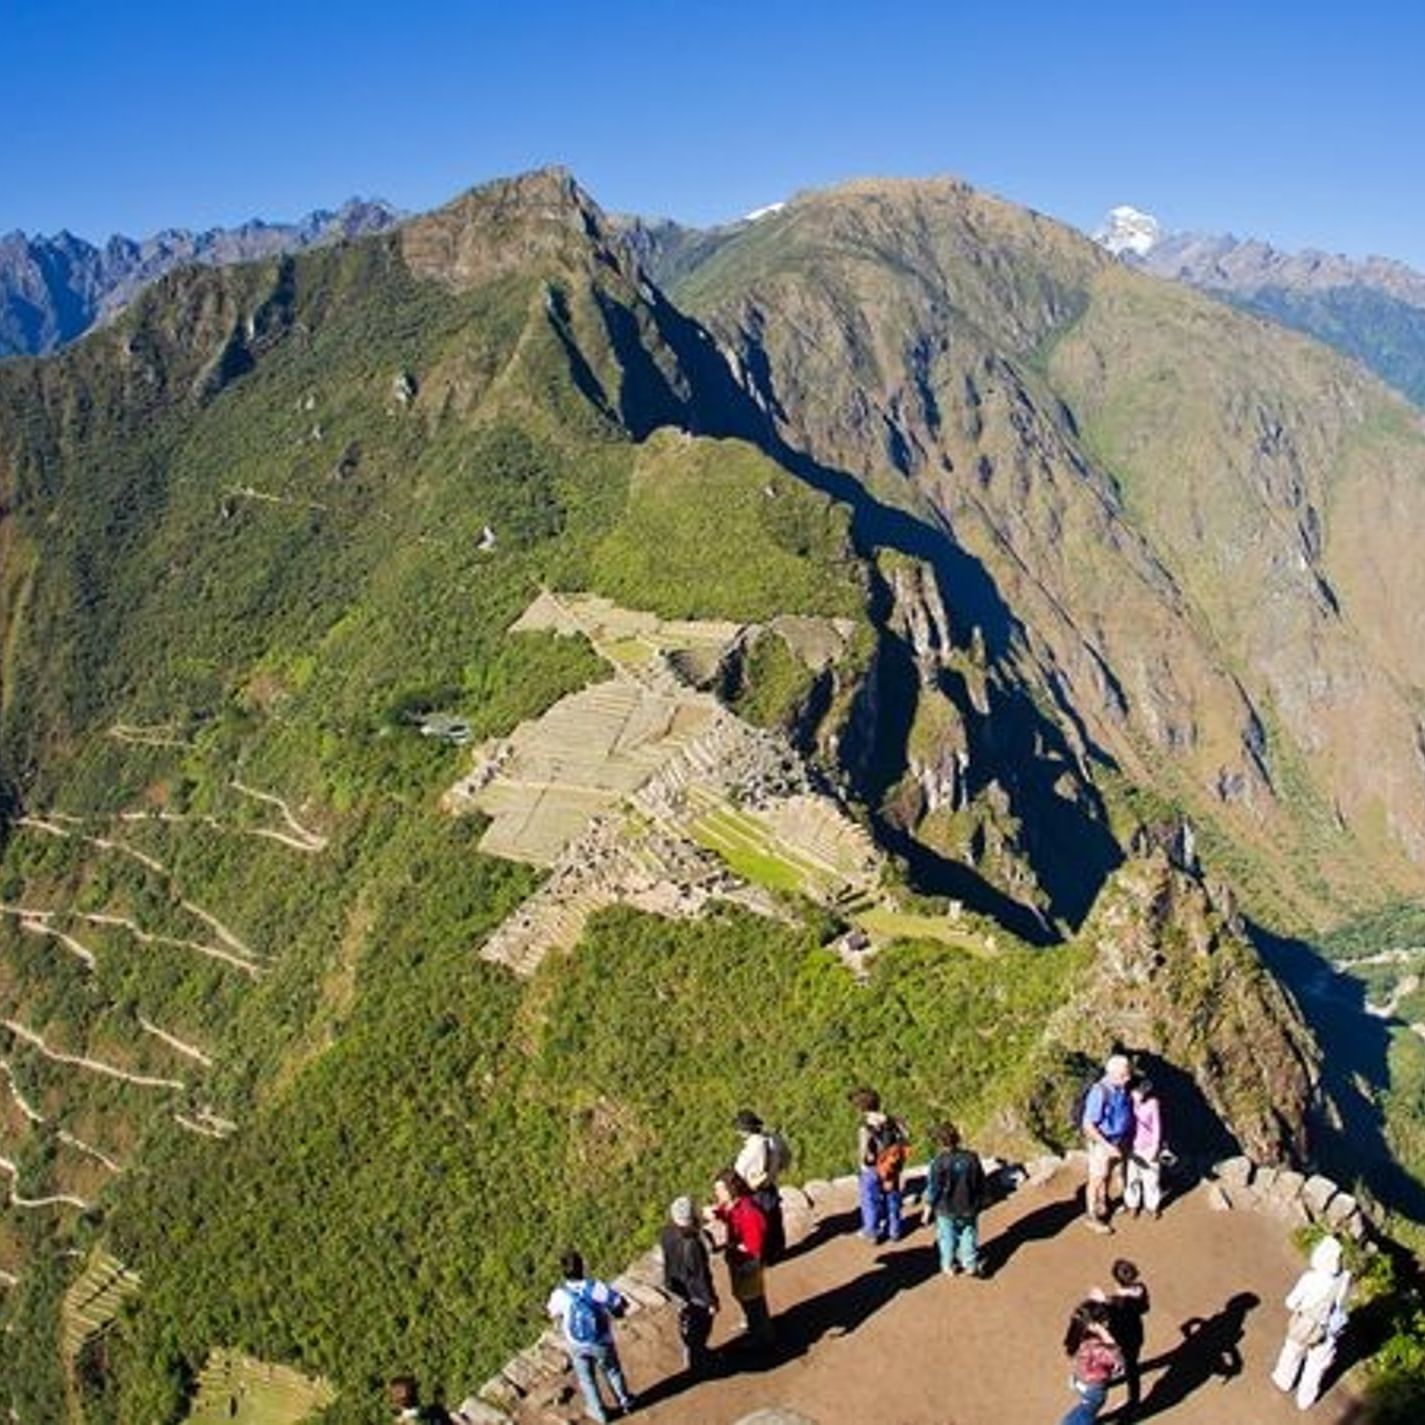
763 212
1126 229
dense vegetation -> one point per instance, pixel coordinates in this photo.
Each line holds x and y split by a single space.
245 550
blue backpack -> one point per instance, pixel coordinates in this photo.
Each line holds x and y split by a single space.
586 1321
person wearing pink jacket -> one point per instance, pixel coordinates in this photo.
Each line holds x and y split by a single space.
1143 1174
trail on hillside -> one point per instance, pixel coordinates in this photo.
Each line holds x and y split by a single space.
180 1046
246 956
21 1102
82 1061
18 1199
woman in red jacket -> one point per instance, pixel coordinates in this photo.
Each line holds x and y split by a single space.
746 1226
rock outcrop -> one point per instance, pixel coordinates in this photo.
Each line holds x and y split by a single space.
1173 979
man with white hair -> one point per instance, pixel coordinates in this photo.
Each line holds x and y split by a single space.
1107 1122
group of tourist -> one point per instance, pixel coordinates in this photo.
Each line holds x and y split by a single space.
1121 1122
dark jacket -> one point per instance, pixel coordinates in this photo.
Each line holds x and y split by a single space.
1127 1307
956 1186
687 1270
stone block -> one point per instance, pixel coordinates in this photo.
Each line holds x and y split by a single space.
1317 1193
1039 1171
524 1371
794 1200
501 1392
817 1191
1265 1179
1340 1208
474 1411
1234 1172
1217 1198
1288 1184
639 1293
1290 1210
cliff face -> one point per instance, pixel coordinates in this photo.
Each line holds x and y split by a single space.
1173 980
1181 530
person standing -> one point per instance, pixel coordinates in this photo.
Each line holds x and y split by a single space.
759 1164
585 1308
1143 1168
746 1227
687 1278
1128 1304
1096 1360
1318 1316
881 1153
1107 1123
956 1193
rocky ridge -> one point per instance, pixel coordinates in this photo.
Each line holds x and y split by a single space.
53 289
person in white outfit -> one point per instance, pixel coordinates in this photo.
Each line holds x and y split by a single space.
1318 1316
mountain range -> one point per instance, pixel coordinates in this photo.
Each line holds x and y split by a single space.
54 289
1054 628
1372 309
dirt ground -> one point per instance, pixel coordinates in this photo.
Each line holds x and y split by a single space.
875 1334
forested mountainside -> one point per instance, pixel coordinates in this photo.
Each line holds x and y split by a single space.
351 601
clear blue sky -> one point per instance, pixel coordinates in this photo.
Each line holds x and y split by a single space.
1299 122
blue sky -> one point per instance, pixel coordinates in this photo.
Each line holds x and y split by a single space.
1297 122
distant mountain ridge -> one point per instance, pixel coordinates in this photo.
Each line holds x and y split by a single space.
1371 308
53 289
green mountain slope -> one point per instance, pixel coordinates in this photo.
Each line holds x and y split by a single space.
261 546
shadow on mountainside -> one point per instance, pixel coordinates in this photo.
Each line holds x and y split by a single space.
1070 846
1211 1348
1355 1050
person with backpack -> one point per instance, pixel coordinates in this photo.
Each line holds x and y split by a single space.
882 1150
1107 1125
687 1278
585 1308
1096 1360
1318 1317
956 1192
1128 1304
746 1228
764 1157
1143 1165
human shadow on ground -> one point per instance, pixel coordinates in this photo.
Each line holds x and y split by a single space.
839 1310
1211 1347
1037 1226
826 1228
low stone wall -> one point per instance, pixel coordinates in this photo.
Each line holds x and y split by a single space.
539 1376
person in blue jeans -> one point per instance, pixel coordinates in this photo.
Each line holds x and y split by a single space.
956 1192
585 1307
1097 1360
881 1155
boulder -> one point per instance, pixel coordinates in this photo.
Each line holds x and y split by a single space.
1234 1172
1217 1198
1340 1209
1288 1184
474 1411
1317 1193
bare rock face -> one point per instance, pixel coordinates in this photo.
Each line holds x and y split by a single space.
1173 977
